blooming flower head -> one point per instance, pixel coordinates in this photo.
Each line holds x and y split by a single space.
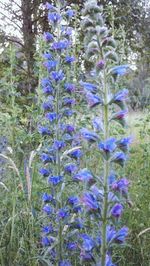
57 75
47 209
120 70
89 87
69 87
121 186
121 235
55 180
124 143
93 100
120 97
69 59
44 131
97 124
120 117
88 242
84 175
51 116
63 213
69 13
61 45
47 197
54 17
70 168
107 147
117 210
119 158
48 37
88 135
76 154
90 202
44 172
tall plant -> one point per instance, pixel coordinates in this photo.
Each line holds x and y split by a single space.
104 201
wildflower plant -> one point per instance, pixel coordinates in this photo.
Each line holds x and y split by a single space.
107 193
61 153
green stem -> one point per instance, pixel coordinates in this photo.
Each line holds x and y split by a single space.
105 184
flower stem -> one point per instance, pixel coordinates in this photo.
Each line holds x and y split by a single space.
105 181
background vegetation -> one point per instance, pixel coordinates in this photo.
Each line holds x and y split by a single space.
20 72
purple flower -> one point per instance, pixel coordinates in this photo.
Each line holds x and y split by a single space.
54 17
48 106
73 200
47 197
59 144
61 45
120 115
121 235
69 13
44 172
84 175
69 128
89 87
93 100
107 147
124 143
66 31
120 70
47 229
86 256
55 180
49 6
68 101
100 65
45 241
46 158
69 87
63 213
121 186
65 263
47 56
44 131
119 158
50 64
76 154
72 246
90 202
109 261
45 82
69 59
57 75
117 210
51 116
111 233
119 97
67 112
88 242
47 209
97 124
70 168
88 135
48 37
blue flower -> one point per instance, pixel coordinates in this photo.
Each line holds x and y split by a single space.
59 144
111 233
121 235
90 201
69 128
64 263
107 147
120 70
57 75
119 158
51 116
44 172
76 154
67 112
73 200
89 87
70 168
54 17
100 65
45 82
48 106
45 241
66 31
109 261
88 242
84 175
88 135
120 116
48 89
47 229
63 213
47 209
55 180
69 13
61 45
69 59
47 197
124 143
121 186
68 101
44 131
120 97
97 124
86 256
72 246
48 37
47 158
47 56
49 6
93 100
69 87
50 64
117 210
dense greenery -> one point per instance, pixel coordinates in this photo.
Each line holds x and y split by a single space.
21 185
